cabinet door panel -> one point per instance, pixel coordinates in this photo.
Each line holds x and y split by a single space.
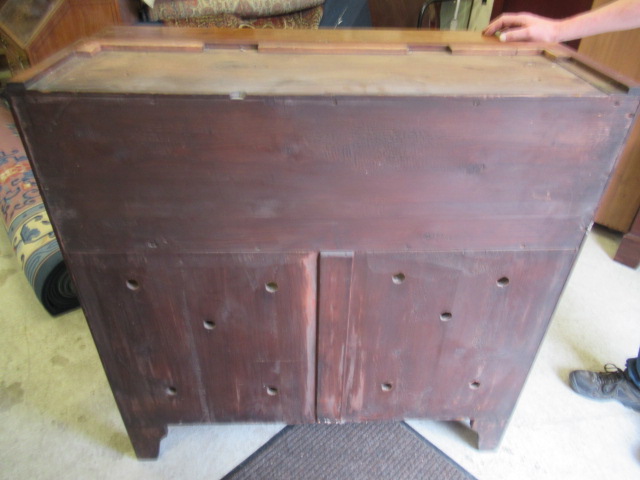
444 335
204 337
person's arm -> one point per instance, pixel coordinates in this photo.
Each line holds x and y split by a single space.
615 16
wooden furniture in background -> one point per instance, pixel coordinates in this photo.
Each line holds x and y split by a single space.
629 250
267 226
394 13
621 200
31 30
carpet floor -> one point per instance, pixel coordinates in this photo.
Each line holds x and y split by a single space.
363 451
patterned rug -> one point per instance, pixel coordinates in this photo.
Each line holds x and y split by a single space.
238 13
353 451
28 225
308 18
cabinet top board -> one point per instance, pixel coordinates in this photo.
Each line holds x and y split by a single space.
158 60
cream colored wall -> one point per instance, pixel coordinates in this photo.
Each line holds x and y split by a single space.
480 14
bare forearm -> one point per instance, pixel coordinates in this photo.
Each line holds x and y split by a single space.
618 15
615 16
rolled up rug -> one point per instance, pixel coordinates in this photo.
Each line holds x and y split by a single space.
28 225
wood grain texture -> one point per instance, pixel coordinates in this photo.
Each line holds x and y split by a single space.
438 334
229 72
202 338
244 37
414 174
307 255
334 302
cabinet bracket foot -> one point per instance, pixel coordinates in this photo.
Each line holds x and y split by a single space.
146 440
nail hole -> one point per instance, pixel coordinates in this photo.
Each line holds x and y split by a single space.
445 316
398 278
209 324
133 285
272 287
386 387
272 391
474 385
503 282
171 391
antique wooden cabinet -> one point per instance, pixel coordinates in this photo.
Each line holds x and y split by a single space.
31 30
318 226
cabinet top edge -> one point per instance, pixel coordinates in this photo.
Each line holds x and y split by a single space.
393 55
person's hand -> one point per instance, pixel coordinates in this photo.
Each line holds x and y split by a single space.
524 27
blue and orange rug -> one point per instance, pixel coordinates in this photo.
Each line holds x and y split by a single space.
28 226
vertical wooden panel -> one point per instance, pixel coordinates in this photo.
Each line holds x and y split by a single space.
202 337
135 308
333 315
447 335
254 323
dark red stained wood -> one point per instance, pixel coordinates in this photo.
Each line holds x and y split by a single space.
135 309
334 300
254 318
440 334
283 174
146 440
201 338
386 222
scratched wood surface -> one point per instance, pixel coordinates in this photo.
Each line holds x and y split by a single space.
438 334
195 174
252 72
203 338
319 244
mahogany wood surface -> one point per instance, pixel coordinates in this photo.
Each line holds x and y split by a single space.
231 319
472 321
65 23
415 174
307 251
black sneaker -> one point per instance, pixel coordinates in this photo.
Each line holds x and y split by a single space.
612 384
